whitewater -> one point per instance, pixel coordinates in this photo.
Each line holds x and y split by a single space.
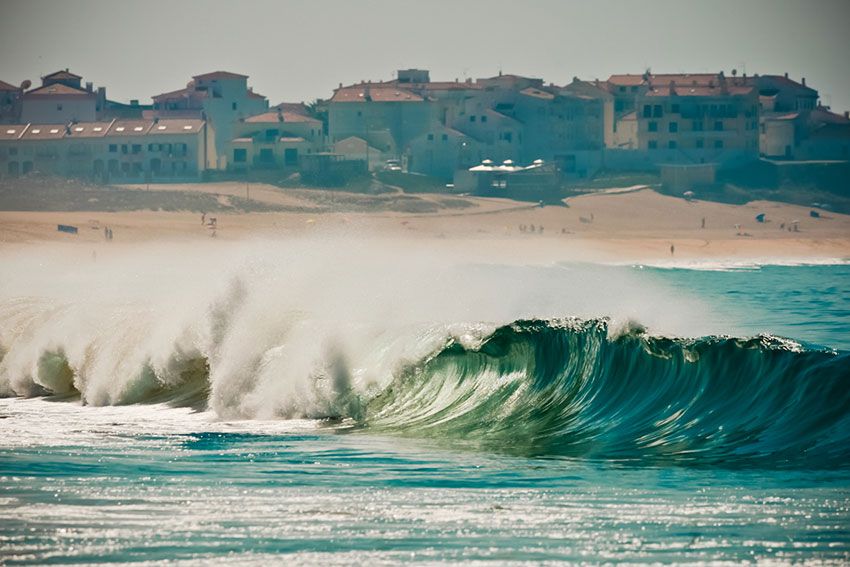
343 400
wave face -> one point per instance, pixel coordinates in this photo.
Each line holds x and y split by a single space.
371 338
568 388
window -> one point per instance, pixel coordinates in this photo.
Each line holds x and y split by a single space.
674 108
718 125
430 137
472 118
124 148
59 107
113 148
508 137
653 126
700 143
483 119
671 144
718 144
653 145
137 148
359 113
233 106
673 127
698 126
647 111
657 111
240 155
445 137
150 147
622 89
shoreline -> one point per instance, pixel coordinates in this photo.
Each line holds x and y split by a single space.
637 226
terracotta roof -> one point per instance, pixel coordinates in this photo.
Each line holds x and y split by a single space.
433 85
687 90
4 86
296 107
663 78
62 75
59 89
824 116
181 94
220 75
786 116
166 126
130 128
275 116
785 81
12 131
89 129
252 94
378 92
537 93
44 132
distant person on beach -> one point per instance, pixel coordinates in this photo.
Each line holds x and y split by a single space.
105 233
672 249
703 222
203 218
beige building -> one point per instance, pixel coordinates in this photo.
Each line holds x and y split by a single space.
115 151
273 140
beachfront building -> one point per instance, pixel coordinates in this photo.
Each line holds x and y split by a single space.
221 98
817 134
276 139
357 149
115 151
691 123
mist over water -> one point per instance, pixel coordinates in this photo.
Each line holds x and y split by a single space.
282 326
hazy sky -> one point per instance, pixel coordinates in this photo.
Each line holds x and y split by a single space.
300 50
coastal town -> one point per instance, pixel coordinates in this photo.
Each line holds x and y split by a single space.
469 134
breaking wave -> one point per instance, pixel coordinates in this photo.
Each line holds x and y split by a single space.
585 387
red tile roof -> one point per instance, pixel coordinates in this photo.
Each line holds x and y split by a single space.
175 126
377 92
130 128
62 75
4 86
220 75
663 78
252 94
89 129
12 131
44 132
59 90
688 90
181 94
537 93
275 116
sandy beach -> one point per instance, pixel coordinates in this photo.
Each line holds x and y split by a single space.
630 225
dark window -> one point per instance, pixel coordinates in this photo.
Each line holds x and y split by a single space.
671 144
472 118
647 111
673 127
483 119
124 148
445 137
718 125
430 137
137 148
657 112
653 144
58 107
290 156
150 147
233 106
240 155
359 113
509 137
674 109
653 126
622 89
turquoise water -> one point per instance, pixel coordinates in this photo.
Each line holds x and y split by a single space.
550 440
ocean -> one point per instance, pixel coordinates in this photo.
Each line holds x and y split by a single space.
275 407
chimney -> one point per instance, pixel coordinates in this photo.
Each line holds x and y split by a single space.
847 114
804 81
672 88
156 119
340 85
89 87
786 74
